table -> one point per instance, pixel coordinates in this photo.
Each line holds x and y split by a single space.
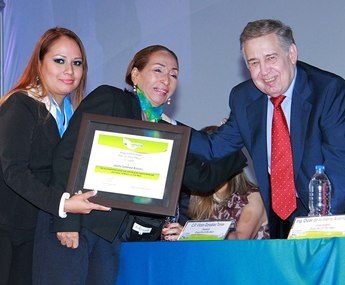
307 261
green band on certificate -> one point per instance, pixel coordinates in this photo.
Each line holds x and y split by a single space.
137 145
126 172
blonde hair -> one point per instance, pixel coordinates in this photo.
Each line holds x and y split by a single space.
201 204
32 77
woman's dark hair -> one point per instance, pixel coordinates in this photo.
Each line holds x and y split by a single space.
141 59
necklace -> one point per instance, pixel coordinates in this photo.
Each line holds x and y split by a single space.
216 198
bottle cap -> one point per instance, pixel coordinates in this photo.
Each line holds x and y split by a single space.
320 168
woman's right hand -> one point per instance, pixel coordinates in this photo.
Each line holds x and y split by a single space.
80 204
69 239
172 231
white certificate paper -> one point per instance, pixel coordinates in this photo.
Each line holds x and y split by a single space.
128 164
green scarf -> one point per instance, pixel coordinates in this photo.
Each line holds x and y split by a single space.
153 113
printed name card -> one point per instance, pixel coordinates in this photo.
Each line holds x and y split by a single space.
208 230
318 227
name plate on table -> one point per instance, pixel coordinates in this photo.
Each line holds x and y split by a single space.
318 227
208 230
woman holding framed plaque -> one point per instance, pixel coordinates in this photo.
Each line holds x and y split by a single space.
91 255
34 115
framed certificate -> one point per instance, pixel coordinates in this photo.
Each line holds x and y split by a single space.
134 165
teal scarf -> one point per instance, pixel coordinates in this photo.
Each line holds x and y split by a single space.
153 113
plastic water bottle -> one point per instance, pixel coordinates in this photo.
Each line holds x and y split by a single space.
320 193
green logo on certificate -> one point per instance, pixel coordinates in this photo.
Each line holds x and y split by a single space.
137 145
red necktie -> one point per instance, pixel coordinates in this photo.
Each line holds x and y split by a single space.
282 180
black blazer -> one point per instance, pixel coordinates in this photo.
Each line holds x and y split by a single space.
111 101
28 134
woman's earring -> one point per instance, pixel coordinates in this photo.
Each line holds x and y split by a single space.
37 81
134 88
168 102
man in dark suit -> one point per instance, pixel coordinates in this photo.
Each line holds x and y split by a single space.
314 108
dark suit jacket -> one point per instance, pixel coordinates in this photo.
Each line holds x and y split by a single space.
317 131
28 134
111 101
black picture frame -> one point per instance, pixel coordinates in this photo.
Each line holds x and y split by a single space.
180 136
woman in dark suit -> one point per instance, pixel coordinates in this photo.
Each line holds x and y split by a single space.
33 116
91 255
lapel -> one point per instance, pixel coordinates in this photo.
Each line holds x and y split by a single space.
136 111
256 113
257 116
49 126
300 112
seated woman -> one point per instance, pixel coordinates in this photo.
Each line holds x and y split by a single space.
237 198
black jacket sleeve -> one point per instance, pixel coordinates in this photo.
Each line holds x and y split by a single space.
28 134
204 176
